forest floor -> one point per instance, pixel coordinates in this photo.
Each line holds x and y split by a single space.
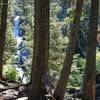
10 90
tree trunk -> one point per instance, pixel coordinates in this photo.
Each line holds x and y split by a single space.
99 14
62 83
0 10
41 49
3 32
89 77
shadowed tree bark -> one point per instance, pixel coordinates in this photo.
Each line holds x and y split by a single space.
0 10
89 77
3 32
41 49
63 80
99 14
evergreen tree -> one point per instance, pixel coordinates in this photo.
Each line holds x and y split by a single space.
0 9
63 80
3 32
41 49
90 70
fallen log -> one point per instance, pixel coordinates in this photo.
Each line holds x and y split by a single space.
4 83
14 87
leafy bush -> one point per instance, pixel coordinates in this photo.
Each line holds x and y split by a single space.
77 71
10 73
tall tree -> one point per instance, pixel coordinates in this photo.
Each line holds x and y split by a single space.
3 32
63 80
41 49
89 81
99 13
0 10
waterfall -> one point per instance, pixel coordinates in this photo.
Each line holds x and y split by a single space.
21 50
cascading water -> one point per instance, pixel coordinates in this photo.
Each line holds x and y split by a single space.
22 52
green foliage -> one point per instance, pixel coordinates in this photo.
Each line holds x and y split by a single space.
58 45
10 58
58 41
98 62
77 71
10 73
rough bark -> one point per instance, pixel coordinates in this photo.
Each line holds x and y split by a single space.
89 77
99 14
3 32
63 80
0 10
41 49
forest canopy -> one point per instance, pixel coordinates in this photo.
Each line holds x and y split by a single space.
53 46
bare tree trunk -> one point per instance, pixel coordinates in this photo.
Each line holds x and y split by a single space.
89 77
99 13
62 83
3 32
0 10
41 49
